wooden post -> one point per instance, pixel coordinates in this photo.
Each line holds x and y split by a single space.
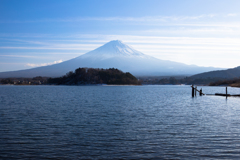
195 91
192 91
226 92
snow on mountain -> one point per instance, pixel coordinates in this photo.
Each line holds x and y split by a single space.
113 49
114 54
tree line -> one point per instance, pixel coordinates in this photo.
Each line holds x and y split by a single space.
177 80
232 82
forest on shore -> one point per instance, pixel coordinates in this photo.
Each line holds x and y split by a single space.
232 82
176 80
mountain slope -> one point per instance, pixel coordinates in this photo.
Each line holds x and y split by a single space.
226 74
113 54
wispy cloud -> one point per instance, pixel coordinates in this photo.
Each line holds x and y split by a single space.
43 64
19 56
139 42
231 15
128 19
147 18
48 48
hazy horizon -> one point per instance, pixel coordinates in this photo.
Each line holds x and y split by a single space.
38 33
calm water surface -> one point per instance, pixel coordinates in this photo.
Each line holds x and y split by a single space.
118 122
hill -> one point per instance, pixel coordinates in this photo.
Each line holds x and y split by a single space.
232 82
220 74
114 54
87 76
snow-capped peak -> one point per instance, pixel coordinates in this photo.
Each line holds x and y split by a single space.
114 48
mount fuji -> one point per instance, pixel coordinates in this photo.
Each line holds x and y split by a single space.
114 54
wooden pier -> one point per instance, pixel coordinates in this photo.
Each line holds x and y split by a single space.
194 90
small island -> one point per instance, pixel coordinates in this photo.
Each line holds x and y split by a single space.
91 76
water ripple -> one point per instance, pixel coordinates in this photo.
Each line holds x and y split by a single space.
123 122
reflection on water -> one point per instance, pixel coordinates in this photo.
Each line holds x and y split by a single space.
128 122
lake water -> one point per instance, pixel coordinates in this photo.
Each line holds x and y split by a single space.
123 122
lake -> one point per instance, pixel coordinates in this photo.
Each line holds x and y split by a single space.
118 122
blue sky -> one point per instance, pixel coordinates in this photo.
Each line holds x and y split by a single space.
200 32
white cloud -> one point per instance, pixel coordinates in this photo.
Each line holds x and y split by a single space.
43 64
231 15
